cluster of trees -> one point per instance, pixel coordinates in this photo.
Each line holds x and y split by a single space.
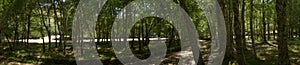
260 21
35 19
249 23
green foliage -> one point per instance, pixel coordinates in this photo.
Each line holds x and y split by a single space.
14 24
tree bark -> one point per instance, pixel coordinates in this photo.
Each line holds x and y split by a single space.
264 24
56 23
282 33
28 27
238 34
243 24
41 28
48 28
251 28
229 55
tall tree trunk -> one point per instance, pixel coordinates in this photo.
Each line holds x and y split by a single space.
264 24
98 33
243 23
283 55
55 22
8 41
229 55
299 27
139 38
28 27
44 24
16 36
143 34
275 27
251 29
171 38
60 24
238 34
42 32
41 29
49 28
268 28
65 29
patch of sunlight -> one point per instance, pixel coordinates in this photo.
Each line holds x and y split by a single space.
270 48
295 50
19 63
113 58
104 57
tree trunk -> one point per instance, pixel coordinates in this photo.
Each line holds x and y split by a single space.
243 24
238 34
49 28
55 22
42 30
283 55
16 36
28 28
264 24
251 29
227 15
139 38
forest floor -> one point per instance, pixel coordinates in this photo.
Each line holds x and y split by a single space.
33 55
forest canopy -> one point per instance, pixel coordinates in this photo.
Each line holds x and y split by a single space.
258 32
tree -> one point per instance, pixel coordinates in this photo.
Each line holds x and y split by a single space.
55 21
48 27
283 57
226 9
264 23
238 34
42 28
251 28
243 23
29 22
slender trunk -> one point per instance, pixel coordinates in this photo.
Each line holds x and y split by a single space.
264 24
60 25
275 27
56 23
268 29
243 24
299 28
133 37
148 29
16 39
171 39
1 33
49 28
238 34
139 39
227 15
44 23
8 41
290 30
98 33
143 34
65 29
28 28
251 28
42 30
